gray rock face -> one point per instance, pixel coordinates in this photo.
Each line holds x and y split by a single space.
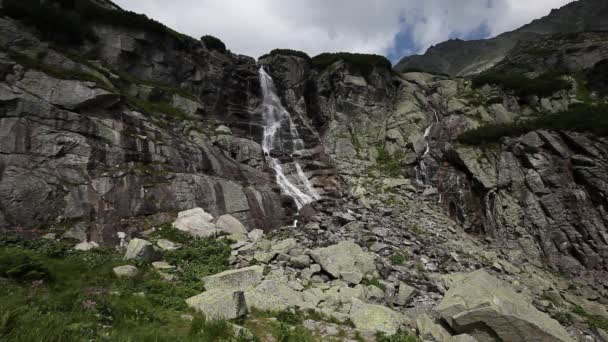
344 260
219 304
458 57
481 305
241 279
75 153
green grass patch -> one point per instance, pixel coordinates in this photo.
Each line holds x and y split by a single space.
398 259
578 118
388 163
48 292
523 86
594 321
398 337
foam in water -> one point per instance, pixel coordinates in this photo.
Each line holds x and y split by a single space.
277 117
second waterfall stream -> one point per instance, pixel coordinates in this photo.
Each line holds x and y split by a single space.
281 134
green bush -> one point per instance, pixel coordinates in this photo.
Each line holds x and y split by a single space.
21 265
213 43
578 118
387 163
597 77
398 337
69 21
287 52
54 22
363 62
523 86
398 259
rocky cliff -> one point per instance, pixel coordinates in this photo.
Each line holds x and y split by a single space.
428 185
460 58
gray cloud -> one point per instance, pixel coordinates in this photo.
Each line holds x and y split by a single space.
257 26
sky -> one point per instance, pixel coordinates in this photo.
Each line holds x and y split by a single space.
394 28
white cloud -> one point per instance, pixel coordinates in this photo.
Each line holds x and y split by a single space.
255 27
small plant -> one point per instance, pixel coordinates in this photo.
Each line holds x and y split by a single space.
389 163
398 259
398 337
373 282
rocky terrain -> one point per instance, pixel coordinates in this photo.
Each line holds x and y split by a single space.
135 171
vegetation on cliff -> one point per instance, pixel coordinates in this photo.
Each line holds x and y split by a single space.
287 52
360 60
579 118
69 21
523 86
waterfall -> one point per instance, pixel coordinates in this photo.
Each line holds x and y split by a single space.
281 134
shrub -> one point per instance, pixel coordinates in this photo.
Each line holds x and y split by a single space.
398 337
578 118
398 259
387 163
213 43
362 62
523 86
597 77
21 265
287 52
56 23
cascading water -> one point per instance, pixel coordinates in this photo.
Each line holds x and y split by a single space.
277 120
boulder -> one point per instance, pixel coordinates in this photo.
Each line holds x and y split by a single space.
273 295
126 271
167 245
375 318
141 250
345 260
482 305
219 304
241 279
196 222
404 295
86 246
232 226
255 235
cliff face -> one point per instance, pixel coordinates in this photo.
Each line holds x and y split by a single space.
88 145
461 58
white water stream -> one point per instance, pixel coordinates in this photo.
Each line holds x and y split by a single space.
278 126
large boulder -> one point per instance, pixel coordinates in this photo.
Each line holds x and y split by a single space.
273 295
241 279
483 306
232 226
375 318
196 222
345 260
141 250
219 304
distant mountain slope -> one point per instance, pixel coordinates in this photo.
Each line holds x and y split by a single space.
459 58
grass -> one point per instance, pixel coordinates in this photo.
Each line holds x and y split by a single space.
398 259
398 337
373 282
594 321
387 163
49 292
64 74
578 118
523 86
